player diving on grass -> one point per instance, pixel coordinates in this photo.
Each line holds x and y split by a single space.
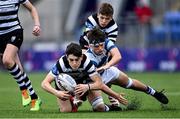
101 48
89 83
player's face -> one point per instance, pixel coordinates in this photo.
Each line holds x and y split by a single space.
104 20
74 61
98 49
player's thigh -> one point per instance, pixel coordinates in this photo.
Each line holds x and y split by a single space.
64 106
10 52
14 41
110 74
122 80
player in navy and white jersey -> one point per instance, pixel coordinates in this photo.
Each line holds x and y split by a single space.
103 20
100 49
11 38
78 66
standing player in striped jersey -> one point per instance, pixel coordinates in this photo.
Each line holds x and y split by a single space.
103 20
11 38
100 50
76 64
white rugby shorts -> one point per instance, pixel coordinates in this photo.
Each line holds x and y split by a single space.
110 74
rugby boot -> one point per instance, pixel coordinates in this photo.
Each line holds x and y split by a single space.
26 99
35 104
161 97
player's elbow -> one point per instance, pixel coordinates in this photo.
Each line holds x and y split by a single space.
119 57
43 84
100 85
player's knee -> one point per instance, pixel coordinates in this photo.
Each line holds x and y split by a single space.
64 109
100 108
98 104
130 83
7 62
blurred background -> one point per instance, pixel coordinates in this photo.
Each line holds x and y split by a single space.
149 32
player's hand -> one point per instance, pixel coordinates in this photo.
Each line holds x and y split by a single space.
80 89
121 99
36 30
101 69
63 95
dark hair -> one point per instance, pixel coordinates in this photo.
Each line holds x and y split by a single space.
106 9
74 49
96 36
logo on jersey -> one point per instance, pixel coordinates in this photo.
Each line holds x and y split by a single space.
13 38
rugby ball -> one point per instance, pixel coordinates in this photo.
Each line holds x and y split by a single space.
66 82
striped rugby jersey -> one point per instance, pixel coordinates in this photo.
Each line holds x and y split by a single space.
80 75
9 20
100 60
111 30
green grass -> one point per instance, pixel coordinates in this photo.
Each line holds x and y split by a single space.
147 106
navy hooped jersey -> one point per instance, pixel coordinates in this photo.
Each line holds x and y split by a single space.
81 75
9 15
111 30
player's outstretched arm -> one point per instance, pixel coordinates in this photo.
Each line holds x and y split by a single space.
46 85
112 93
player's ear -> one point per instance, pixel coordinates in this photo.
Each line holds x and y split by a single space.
111 17
98 14
81 57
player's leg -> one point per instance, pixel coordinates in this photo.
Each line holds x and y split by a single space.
108 76
36 102
10 64
65 106
10 44
124 81
14 69
96 100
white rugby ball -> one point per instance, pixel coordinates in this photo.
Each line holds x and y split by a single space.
66 82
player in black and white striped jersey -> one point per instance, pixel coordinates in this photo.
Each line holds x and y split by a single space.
103 20
83 71
11 38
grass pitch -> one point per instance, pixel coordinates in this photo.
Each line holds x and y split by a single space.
142 105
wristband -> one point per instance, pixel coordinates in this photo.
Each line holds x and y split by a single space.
89 87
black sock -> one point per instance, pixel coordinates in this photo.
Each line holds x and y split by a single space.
150 90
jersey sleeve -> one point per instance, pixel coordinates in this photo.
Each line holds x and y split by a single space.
113 32
90 23
89 67
54 71
109 45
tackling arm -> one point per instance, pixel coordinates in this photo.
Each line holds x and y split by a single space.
110 92
46 85
116 57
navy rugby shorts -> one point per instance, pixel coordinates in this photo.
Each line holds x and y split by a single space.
15 38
